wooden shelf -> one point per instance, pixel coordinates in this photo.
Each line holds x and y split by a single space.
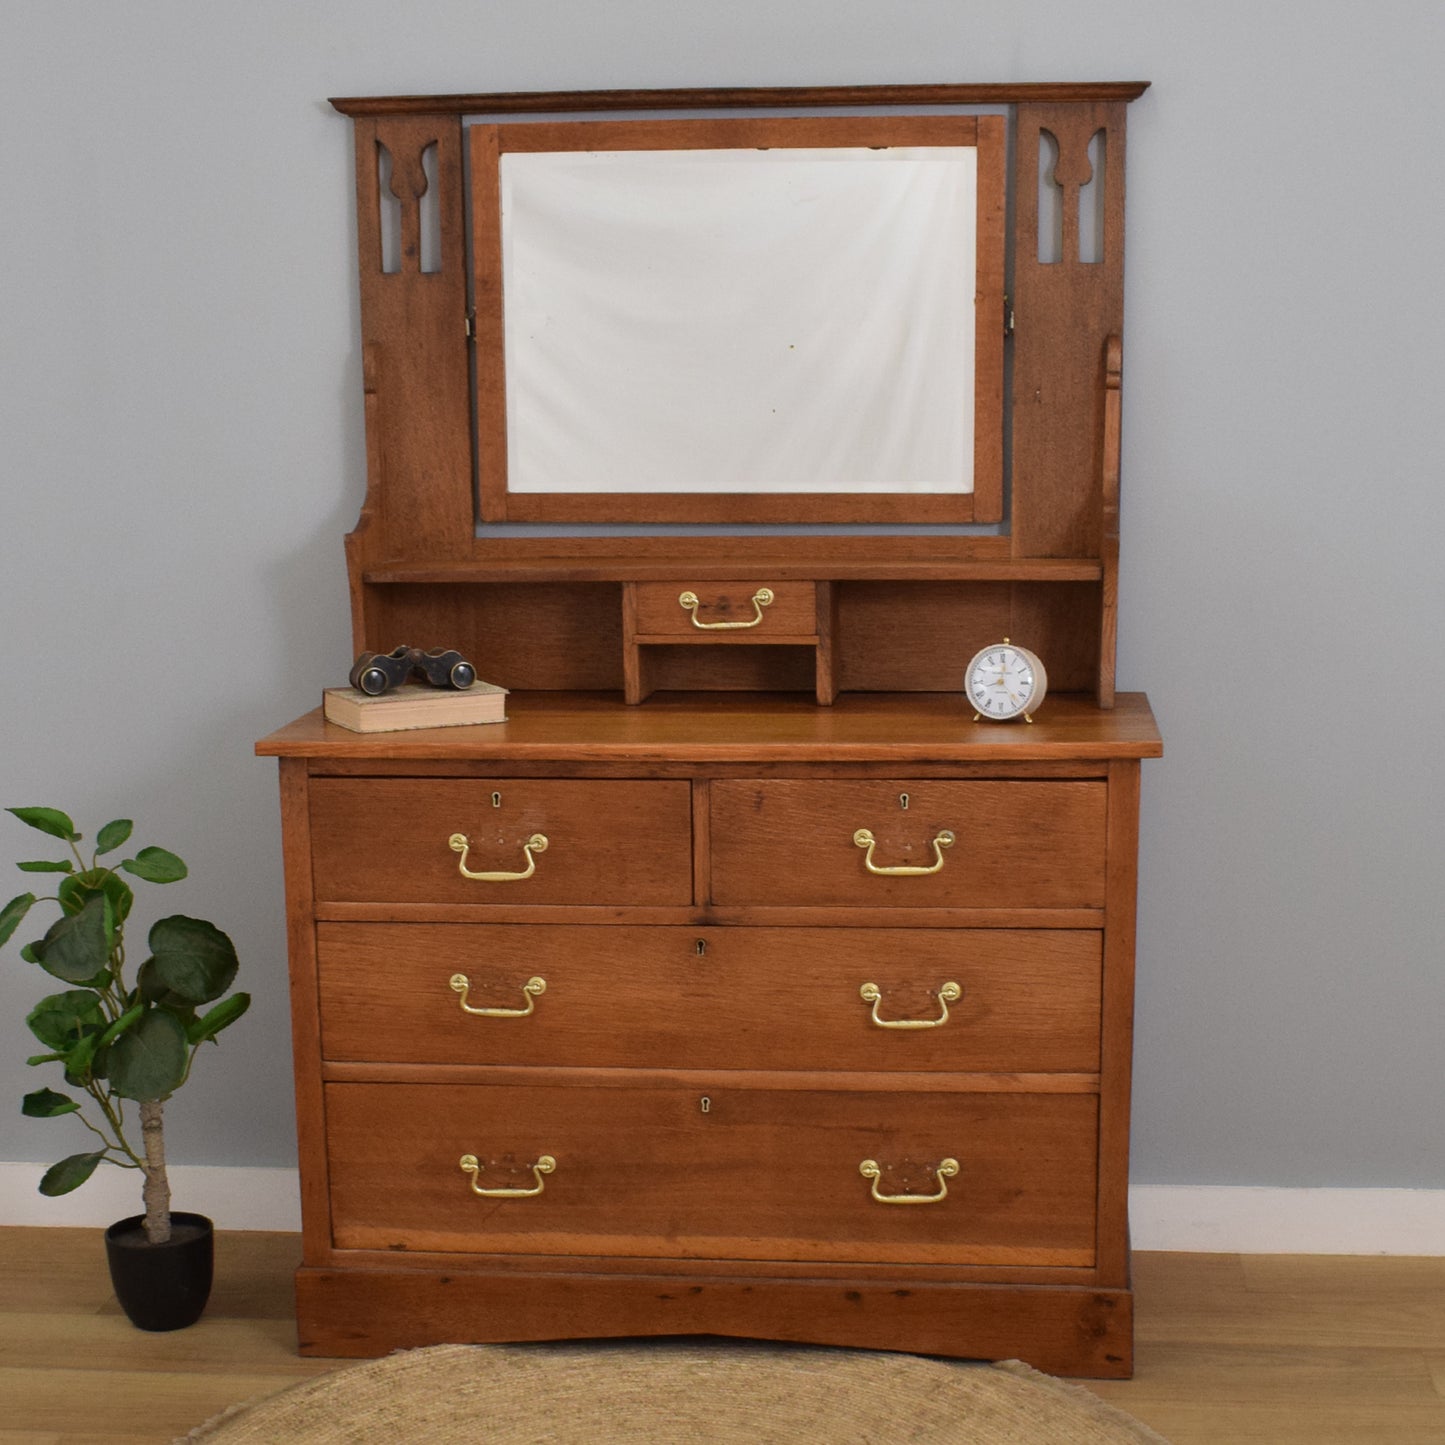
593 569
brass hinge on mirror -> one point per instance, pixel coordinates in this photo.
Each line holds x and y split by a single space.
1008 316
471 325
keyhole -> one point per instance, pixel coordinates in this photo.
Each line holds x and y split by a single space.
700 947
496 800
903 801
705 1104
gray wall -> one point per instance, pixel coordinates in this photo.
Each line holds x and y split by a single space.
181 452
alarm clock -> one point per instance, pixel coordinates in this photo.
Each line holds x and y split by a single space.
1004 681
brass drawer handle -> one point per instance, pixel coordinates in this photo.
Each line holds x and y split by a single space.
864 839
763 597
537 843
545 1165
871 993
533 988
946 1169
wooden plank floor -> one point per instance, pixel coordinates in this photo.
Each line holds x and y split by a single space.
1232 1349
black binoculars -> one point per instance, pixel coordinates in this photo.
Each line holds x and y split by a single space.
375 672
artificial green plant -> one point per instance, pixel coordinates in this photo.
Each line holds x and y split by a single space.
122 1036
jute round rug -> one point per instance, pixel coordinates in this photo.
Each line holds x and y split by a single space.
675 1393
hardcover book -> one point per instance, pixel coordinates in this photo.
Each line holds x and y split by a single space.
414 705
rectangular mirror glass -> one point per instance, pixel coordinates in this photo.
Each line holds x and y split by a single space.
756 320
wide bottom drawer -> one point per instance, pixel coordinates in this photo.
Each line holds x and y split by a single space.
714 1170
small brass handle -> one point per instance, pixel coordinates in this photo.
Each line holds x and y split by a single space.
871 993
763 597
537 843
545 1165
864 839
945 1170
533 989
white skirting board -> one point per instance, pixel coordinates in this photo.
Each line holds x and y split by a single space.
1223 1219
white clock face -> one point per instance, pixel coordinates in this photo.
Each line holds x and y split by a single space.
1004 681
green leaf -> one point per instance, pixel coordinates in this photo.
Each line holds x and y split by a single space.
29 954
43 1058
112 835
47 1104
148 1061
78 1060
48 820
155 865
129 1017
190 958
225 1013
39 865
77 946
12 913
76 891
70 1173
61 1020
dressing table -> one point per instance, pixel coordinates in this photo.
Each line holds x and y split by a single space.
740 982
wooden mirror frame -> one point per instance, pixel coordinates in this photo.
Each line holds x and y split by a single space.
983 499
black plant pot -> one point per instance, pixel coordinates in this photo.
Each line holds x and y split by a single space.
161 1286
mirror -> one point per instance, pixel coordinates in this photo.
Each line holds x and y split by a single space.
740 321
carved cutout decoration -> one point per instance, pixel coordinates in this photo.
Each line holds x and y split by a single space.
429 214
1091 201
408 208
1051 202
388 214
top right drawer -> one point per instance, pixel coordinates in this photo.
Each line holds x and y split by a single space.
918 843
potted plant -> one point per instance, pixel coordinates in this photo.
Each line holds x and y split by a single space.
126 1033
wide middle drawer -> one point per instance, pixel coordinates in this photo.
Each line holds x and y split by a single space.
975 1000
506 841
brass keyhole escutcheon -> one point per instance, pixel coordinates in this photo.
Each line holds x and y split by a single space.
700 947
903 801
496 800
705 1104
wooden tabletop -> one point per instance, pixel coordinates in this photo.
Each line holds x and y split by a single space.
721 727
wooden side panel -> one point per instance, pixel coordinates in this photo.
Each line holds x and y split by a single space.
305 1011
1117 1025
1109 612
1064 310
413 326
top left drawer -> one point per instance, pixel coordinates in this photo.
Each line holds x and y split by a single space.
473 840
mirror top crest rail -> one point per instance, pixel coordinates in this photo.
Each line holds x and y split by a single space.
524 101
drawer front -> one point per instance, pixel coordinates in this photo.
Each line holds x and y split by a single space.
686 611
416 840
1014 844
763 998
714 1171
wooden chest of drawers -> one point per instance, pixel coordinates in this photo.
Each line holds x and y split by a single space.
748 1018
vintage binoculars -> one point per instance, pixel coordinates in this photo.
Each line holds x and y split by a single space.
375 672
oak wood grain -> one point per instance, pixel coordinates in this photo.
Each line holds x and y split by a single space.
707 97
1015 844
717 1170
899 731
711 997
610 841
